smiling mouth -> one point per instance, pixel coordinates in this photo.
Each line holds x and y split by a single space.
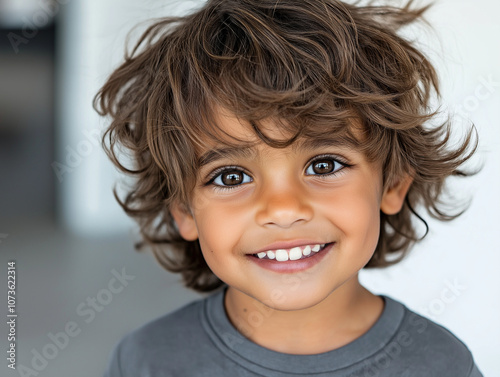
295 253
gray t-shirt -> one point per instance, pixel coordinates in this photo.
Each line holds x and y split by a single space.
199 340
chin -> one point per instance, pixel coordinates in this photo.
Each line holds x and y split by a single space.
291 299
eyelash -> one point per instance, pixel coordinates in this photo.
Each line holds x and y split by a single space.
336 159
216 173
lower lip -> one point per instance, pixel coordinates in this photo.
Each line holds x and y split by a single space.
292 266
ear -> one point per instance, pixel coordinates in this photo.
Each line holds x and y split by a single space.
184 221
394 196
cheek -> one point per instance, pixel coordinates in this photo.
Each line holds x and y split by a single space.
356 215
219 231
218 222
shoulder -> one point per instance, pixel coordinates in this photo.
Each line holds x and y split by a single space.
430 347
165 330
149 345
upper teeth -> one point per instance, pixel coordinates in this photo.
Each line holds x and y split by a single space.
295 253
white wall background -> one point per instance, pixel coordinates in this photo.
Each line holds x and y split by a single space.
464 253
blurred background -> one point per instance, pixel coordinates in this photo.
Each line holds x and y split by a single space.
61 225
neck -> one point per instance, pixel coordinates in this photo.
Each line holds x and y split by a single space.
344 315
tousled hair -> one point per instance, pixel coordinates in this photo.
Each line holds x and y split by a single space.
314 66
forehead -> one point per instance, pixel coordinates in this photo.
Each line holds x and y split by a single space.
235 136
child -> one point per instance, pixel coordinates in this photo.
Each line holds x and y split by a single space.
278 148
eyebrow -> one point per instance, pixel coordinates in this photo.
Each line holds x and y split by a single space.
343 141
229 152
248 152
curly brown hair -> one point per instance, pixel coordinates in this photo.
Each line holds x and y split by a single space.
314 65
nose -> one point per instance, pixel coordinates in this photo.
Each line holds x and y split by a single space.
283 206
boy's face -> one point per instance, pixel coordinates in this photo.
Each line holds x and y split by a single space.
322 194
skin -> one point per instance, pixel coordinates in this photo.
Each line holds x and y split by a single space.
324 307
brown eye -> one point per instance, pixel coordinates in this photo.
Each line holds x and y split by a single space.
232 178
323 167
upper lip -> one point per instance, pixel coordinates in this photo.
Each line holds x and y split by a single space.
288 245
